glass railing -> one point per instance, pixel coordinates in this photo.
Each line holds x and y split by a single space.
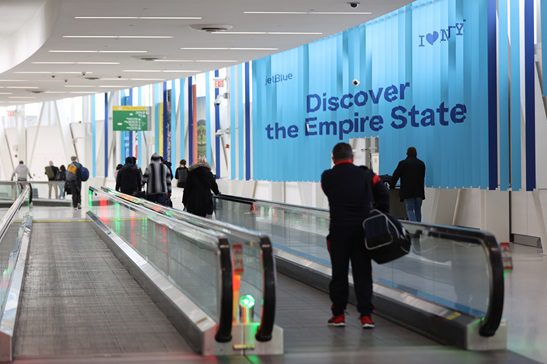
12 225
457 268
252 261
8 192
196 260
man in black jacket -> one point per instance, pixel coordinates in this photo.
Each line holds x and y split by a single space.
351 192
411 171
128 179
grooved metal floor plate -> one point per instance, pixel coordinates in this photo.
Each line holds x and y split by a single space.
79 300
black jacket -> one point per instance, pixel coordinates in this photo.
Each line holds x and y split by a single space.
197 196
128 180
352 191
411 171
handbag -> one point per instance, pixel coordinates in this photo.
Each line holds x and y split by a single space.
385 237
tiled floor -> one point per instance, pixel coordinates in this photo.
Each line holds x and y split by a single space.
526 303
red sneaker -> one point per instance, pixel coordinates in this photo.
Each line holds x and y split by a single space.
337 320
366 321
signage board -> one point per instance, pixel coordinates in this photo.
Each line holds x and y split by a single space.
130 118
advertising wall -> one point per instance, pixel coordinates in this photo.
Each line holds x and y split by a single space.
415 77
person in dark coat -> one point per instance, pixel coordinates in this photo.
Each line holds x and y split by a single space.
197 197
128 180
351 191
411 171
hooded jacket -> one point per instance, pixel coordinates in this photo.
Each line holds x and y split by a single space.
197 196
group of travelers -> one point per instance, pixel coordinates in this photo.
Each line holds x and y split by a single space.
61 180
197 181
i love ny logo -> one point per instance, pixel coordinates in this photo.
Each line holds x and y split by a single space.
442 35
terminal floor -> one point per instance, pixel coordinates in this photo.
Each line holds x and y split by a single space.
302 312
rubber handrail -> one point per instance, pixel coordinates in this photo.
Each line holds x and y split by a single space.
491 321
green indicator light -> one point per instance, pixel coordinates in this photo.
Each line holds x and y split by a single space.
247 301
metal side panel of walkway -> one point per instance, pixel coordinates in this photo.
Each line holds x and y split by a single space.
78 300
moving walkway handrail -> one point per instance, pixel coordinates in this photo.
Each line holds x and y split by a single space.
224 331
8 217
267 318
492 319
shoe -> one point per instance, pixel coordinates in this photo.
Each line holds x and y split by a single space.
79 207
366 321
337 320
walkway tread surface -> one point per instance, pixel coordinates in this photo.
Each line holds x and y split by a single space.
78 299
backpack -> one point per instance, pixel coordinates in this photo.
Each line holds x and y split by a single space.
84 174
385 237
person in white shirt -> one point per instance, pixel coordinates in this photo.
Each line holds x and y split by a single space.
23 174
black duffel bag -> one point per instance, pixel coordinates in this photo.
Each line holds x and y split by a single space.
385 238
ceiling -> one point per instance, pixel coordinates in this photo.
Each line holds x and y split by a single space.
38 39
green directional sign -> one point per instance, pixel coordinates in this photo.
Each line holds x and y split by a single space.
130 118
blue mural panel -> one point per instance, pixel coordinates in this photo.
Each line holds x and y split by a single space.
415 77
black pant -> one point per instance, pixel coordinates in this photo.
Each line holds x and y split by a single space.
347 244
76 188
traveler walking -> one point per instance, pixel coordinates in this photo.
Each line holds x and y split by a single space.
75 182
61 180
411 171
23 175
181 174
351 192
158 181
51 172
128 180
197 197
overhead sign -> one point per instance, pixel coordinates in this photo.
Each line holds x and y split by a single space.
130 118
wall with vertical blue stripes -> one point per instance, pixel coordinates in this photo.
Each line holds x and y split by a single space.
424 79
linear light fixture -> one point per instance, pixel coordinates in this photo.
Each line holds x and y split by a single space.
308 12
82 92
146 79
21 87
173 60
6 93
66 62
228 49
216 60
53 72
268 33
92 51
118 36
139 17
79 86
159 71
114 86
21 97
55 92
180 71
13 80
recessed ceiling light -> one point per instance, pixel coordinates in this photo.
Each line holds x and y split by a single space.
65 62
93 51
21 97
118 36
22 87
309 12
228 49
6 93
268 33
216 60
140 17
13 80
